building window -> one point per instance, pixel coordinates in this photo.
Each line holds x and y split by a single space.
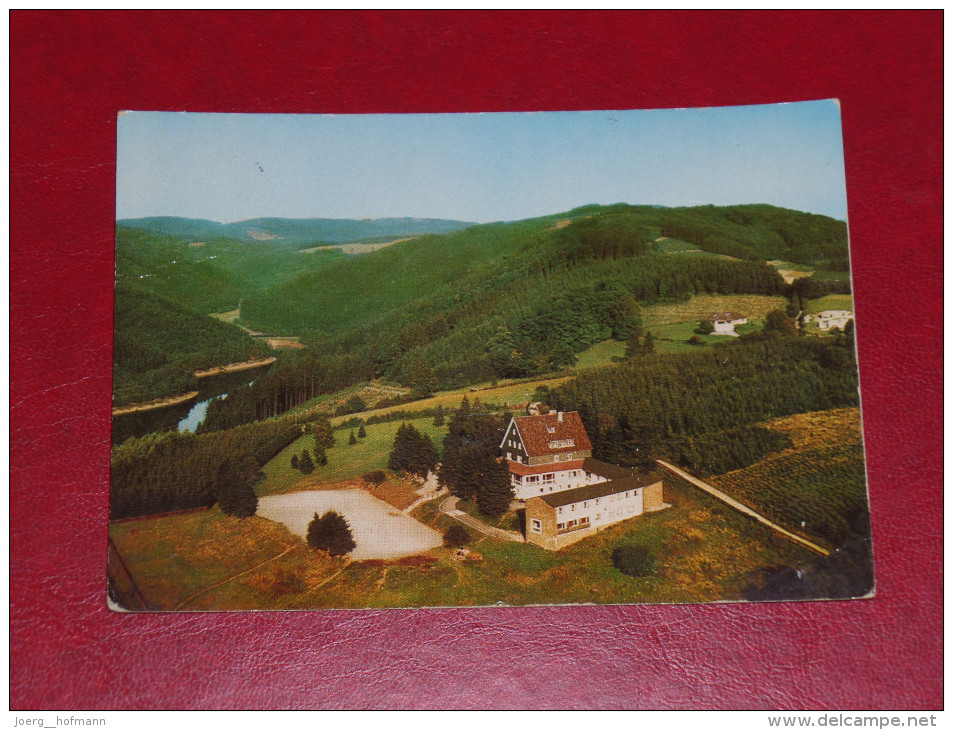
560 525
583 520
571 523
597 501
532 479
549 478
536 526
560 510
551 429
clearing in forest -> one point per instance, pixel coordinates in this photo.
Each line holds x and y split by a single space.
816 487
700 306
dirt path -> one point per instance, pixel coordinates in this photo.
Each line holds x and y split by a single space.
449 507
718 494
234 367
157 403
234 577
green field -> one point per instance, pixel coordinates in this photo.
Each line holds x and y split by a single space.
502 395
344 460
674 337
831 301
700 306
676 245
602 353
825 275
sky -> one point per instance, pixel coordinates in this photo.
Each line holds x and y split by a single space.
477 167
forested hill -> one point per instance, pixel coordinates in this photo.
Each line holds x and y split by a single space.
295 231
518 299
436 311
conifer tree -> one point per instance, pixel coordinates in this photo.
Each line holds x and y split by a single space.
305 464
494 493
320 456
778 321
412 452
362 432
705 327
233 485
352 439
633 343
456 536
294 461
331 532
649 345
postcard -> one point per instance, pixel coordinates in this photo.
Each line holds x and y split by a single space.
422 360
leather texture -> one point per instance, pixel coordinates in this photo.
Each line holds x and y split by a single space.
71 72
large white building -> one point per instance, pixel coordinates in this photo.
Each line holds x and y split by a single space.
554 521
568 494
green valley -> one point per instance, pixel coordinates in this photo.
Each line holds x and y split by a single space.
449 330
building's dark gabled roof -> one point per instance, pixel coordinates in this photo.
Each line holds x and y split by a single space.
608 471
536 437
726 316
635 480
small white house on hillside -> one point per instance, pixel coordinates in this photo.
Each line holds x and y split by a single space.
724 322
833 319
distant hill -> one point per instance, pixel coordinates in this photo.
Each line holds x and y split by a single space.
498 300
518 299
295 232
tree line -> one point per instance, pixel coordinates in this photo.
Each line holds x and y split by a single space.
700 408
171 471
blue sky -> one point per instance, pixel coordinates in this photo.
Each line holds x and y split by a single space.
477 167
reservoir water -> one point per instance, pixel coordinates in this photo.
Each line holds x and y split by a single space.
185 416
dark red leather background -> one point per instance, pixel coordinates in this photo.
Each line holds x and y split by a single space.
72 72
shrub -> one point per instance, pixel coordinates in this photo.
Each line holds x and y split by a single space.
379 476
456 536
635 560
354 404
